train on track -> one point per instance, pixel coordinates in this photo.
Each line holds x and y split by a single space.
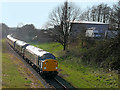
42 61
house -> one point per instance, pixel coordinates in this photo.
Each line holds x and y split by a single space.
90 29
83 26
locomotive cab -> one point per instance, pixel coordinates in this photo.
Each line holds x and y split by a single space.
48 64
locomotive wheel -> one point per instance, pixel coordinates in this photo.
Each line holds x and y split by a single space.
38 70
34 67
23 57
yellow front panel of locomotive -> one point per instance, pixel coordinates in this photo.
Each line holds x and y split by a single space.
50 65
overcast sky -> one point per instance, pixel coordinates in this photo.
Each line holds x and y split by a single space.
15 13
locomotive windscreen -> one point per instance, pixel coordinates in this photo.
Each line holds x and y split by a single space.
47 56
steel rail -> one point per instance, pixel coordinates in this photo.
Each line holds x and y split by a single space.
61 84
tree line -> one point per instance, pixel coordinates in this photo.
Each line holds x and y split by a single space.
103 13
26 33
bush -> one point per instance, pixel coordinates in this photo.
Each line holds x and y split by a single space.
105 54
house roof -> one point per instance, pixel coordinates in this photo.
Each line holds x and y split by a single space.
88 22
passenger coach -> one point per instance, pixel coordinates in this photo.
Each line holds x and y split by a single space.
11 41
20 46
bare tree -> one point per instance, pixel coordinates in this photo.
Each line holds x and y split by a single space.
117 14
61 18
100 13
115 17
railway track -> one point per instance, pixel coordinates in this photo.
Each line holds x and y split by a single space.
59 83
55 84
65 87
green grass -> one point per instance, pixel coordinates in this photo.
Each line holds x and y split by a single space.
11 77
85 77
78 73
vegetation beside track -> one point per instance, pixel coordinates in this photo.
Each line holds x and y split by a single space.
14 73
79 73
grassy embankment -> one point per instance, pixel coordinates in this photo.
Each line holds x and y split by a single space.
14 73
78 73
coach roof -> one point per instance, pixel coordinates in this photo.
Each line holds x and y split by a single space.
21 43
36 51
11 38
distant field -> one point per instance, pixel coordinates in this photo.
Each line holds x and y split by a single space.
14 73
80 75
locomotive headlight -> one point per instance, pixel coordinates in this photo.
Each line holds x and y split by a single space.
44 67
56 68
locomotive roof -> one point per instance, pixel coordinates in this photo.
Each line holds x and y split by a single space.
11 38
36 51
21 43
